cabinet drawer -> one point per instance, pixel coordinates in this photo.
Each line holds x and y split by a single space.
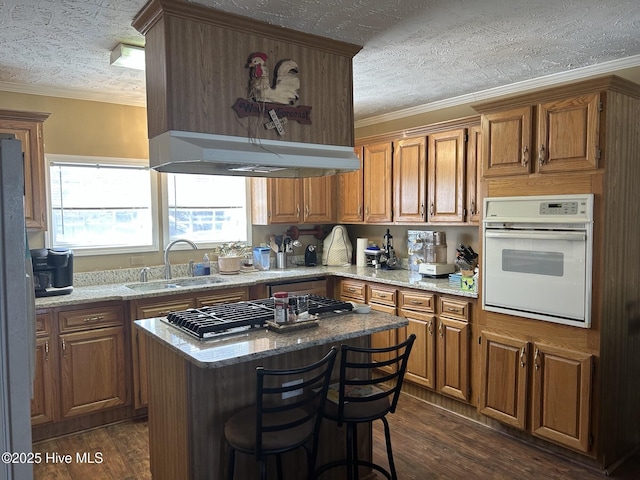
43 328
162 309
454 308
422 302
353 290
223 296
72 320
382 295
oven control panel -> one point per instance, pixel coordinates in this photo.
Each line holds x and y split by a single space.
558 208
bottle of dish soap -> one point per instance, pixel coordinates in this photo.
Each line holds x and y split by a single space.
206 264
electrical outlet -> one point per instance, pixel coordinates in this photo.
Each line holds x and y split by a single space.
292 393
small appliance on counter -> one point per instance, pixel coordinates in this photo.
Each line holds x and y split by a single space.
384 257
52 271
428 253
310 256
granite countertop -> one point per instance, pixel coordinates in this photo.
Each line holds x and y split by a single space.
262 343
119 291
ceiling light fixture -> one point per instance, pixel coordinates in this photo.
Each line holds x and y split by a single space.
128 56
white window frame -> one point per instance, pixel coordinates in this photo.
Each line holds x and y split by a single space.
82 159
209 245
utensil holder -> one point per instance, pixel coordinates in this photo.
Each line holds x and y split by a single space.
281 260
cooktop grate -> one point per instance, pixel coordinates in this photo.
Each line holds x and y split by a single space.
225 318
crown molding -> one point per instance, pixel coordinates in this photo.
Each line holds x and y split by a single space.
72 94
513 88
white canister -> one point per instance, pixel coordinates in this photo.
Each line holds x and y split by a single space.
361 245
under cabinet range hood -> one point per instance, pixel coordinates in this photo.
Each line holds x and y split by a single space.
229 95
210 154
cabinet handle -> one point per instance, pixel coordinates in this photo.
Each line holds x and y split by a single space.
522 357
351 289
430 327
382 295
359 210
525 156
431 209
46 350
541 155
473 207
422 209
440 331
64 348
298 211
93 319
416 302
452 309
535 359
366 211
306 210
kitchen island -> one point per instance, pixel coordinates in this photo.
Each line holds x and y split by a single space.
195 386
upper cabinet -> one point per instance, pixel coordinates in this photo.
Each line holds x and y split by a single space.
292 200
410 179
351 194
377 172
473 174
559 135
27 127
446 176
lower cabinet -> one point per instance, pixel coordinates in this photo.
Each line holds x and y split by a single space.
547 383
80 362
383 299
43 401
440 359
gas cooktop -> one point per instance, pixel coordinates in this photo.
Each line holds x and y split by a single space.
227 318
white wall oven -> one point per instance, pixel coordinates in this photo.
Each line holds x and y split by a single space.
537 257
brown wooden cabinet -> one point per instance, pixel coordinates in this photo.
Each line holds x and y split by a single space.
410 180
419 309
453 376
446 166
561 395
473 174
44 398
27 127
292 200
383 299
92 360
377 182
504 370
350 194
564 136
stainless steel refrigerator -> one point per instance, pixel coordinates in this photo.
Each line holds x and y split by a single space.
17 318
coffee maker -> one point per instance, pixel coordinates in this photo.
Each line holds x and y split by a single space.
388 259
52 271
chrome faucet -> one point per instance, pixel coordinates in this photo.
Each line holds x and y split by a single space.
167 265
144 274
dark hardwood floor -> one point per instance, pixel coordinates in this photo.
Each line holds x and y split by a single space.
428 442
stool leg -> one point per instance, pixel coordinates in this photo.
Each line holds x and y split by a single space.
356 468
231 463
350 451
279 466
387 437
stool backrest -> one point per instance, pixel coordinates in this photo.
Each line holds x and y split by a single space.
291 398
358 386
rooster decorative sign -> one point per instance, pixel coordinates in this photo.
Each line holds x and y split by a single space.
277 100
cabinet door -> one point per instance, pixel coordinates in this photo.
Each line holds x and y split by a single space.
285 200
503 368
42 403
453 358
568 133
318 203
410 180
421 366
506 143
377 183
92 371
473 173
27 127
561 397
383 339
446 176
350 194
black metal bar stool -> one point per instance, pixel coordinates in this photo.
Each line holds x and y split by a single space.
362 399
274 426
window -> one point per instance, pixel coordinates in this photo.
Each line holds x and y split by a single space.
207 209
101 205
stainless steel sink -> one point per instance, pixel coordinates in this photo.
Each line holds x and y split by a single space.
175 283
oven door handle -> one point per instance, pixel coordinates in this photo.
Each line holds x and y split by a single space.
536 235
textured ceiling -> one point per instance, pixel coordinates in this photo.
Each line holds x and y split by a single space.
415 52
